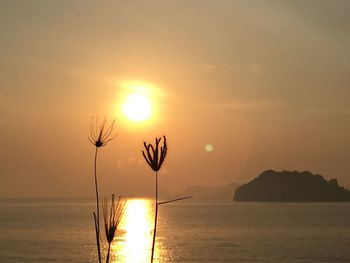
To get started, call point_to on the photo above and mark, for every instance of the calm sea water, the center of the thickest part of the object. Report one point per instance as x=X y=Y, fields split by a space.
x=62 y=231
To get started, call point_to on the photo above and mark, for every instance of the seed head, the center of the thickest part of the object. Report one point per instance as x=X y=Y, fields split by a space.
x=100 y=133
x=115 y=216
x=155 y=156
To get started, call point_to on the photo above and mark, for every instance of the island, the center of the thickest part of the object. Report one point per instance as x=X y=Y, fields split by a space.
x=291 y=186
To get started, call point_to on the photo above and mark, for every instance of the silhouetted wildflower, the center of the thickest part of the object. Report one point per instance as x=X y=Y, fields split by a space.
x=153 y=156
x=99 y=134
x=112 y=222
x=115 y=215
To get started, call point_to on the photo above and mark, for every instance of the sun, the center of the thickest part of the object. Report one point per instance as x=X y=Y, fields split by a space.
x=137 y=107
x=138 y=102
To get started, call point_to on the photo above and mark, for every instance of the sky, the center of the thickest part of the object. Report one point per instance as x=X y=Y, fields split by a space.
x=265 y=83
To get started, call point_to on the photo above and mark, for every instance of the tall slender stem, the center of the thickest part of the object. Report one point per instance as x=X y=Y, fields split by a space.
x=109 y=249
x=155 y=219
x=97 y=218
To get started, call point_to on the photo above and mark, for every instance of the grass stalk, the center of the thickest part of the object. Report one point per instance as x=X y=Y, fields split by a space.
x=97 y=215
x=155 y=219
x=108 y=252
x=100 y=135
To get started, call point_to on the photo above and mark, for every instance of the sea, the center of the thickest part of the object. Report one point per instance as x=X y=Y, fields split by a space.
x=188 y=231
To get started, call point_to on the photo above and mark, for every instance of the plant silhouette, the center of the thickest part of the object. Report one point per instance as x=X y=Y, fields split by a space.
x=155 y=157
x=112 y=221
x=100 y=135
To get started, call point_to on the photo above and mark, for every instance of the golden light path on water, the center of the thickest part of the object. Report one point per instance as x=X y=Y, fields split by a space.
x=134 y=244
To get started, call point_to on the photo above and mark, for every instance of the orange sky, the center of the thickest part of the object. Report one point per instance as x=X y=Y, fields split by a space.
x=264 y=82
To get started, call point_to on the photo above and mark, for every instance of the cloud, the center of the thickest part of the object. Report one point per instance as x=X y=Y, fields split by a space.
x=124 y=164
x=206 y=66
x=328 y=111
x=250 y=105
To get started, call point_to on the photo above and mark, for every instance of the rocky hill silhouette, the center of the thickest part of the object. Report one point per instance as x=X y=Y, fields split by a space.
x=287 y=186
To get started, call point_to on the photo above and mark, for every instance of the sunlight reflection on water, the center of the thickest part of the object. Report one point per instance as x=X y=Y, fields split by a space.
x=134 y=241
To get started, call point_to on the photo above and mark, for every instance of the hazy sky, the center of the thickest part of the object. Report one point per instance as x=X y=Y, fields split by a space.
x=265 y=82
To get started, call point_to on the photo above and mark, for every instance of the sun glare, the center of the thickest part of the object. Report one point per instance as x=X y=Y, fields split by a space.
x=138 y=226
x=137 y=107
x=138 y=102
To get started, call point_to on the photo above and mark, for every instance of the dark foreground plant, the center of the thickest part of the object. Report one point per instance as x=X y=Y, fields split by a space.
x=100 y=135
x=155 y=157
x=112 y=221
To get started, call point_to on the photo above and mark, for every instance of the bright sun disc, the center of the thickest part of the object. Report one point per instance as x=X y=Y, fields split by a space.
x=137 y=107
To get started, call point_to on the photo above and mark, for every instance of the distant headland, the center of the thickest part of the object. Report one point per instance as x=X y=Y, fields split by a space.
x=287 y=186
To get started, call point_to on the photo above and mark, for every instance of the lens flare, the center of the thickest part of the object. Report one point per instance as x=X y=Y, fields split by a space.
x=209 y=148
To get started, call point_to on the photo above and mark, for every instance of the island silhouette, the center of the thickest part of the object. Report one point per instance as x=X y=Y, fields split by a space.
x=291 y=186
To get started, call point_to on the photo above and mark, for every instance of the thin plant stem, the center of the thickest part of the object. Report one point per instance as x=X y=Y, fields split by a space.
x=97 y=217
x=109 y=249
x=155 y=219
x=174 y=200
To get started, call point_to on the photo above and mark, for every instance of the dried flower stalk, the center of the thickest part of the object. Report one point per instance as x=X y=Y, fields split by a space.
x=100 y=135
x=155 y=158
x=112 y=221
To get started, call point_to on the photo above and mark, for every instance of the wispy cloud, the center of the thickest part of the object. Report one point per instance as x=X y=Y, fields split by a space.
x=124 y=164
x=206 y=66
x=328 y=111
x=237 y=105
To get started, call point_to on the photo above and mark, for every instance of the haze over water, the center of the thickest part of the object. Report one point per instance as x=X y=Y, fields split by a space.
x=264 y=83
x=233 y=87
x=62 y=231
